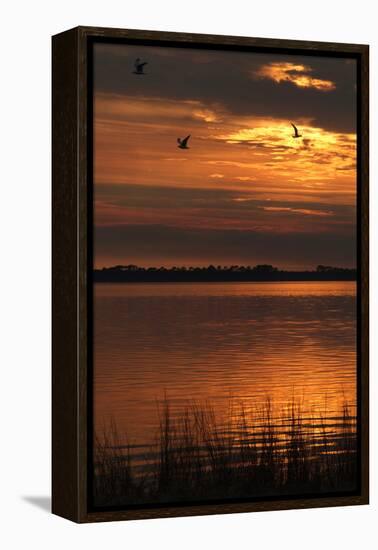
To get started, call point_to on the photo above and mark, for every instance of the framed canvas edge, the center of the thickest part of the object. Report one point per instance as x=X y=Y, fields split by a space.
x=69 y=378
x=85 y=32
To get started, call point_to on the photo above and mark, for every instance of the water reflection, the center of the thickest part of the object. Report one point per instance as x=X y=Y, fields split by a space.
x=213 y=341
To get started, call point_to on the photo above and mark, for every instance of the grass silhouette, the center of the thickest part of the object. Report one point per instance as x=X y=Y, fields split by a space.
x=252 y=452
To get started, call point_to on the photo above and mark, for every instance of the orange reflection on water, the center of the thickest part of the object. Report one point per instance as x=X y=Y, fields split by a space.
x=216 y=342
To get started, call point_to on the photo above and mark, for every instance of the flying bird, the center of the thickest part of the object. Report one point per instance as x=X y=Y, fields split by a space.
x=296 y=133
x=183 y=143
x=139 y=66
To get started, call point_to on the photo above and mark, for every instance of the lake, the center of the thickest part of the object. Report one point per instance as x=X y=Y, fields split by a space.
x=221 y=342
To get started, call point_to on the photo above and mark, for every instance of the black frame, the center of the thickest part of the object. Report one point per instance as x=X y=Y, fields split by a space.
x=73 y=289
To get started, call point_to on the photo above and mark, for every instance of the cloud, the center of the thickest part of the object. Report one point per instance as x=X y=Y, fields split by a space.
x=221 y=82
x=218 y=208
x=157 y=202
x=164 y=245
x=207 y=115
x=297 y=74
x=117 y=107
x=304 y=211
x=319 y=152
x=175 y=159
x=230 y=163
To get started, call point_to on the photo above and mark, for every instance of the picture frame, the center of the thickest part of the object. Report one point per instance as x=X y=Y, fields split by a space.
x=72 y=267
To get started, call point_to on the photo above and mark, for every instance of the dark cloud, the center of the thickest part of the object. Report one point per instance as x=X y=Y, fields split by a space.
x=239 y=202
x=224 y=80
x=156 y=196
x=167 y=245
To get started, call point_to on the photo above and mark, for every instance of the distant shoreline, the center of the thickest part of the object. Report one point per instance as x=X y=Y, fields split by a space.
x=133 y=274
x=137 y=282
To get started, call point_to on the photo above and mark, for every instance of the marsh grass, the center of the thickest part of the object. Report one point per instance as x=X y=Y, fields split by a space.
x=251 y=452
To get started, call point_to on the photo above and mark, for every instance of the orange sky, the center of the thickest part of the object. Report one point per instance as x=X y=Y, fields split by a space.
x=243 y=179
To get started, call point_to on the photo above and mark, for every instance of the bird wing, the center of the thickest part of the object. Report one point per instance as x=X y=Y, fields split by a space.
x=143 y=64
x=295 y=128
x=185 y=140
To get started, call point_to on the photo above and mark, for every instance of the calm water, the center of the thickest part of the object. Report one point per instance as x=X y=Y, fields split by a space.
x=213 y=341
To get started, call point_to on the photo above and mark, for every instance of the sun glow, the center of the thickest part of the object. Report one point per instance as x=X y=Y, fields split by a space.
x=297 y=74
x=319 y=154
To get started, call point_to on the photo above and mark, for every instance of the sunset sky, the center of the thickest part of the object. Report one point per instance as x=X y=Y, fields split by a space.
x=245 y=192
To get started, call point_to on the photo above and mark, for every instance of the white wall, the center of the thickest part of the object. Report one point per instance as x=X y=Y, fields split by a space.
x=25 y=297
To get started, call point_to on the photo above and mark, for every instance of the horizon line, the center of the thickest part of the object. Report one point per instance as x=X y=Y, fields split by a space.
x=234 y=267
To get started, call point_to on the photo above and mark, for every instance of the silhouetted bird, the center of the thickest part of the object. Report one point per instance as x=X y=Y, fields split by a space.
x=139 y=67
x=183 y=143
x=296 y=133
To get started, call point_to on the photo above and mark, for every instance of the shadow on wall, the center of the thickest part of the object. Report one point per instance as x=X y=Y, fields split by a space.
x=41 y=502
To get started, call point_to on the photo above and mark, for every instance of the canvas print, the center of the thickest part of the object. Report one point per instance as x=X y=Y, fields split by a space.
x=224 y=275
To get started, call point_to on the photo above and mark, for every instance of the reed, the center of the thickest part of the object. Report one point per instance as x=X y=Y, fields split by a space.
x=251 y=452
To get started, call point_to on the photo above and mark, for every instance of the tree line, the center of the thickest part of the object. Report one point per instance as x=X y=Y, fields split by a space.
x=261 y=272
